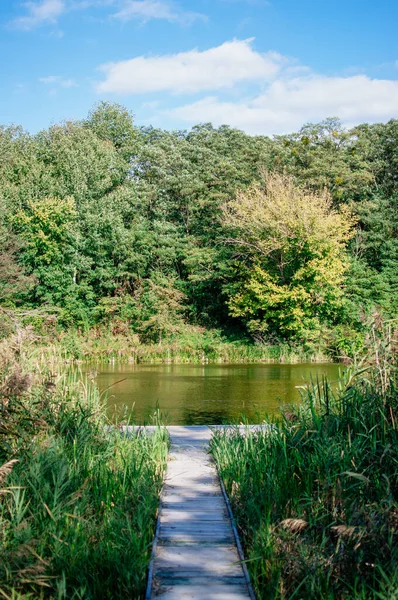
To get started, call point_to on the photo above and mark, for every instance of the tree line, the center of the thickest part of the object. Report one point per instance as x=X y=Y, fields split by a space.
x=291 y=239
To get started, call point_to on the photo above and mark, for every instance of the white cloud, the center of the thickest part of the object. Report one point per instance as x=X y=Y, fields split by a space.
x=191 y=72
x=288 y=94
x=288 y=103
x=40 y=13
x=45 y=12
x=57 y=80
x=146 y=10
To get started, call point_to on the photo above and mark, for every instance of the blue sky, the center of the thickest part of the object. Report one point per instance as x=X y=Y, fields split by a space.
x=263 y=66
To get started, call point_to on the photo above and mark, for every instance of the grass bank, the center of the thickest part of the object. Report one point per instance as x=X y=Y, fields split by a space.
x=77 y=505
x=191 y=345
x=316 y=498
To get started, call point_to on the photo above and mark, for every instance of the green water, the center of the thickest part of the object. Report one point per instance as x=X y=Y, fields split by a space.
x=206 y=394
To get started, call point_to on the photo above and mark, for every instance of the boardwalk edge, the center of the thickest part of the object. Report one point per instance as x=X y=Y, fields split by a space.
x=237 y=539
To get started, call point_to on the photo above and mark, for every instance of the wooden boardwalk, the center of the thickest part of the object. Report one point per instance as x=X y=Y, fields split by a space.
x=195 y=555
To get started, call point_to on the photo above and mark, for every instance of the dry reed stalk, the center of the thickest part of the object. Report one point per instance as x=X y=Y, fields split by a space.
x=6 y=469
x=294 y=525
x=346 y=531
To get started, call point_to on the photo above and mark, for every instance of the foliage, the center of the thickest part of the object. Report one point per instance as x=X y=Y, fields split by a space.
x=77 y=502
x=114 y=123
x=316 y=494
x=13 y=279
x=291 y=244
x=327 y=155
x=99 y=216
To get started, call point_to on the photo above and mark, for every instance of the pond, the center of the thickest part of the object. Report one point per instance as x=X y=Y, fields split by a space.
x=192 y=394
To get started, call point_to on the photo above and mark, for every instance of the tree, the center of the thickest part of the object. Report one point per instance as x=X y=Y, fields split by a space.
x=375 y=247
x=47 y=229
x=183 y=179
x=162 y=308
x=381 y=144
x=114 y=123
x=76 y=162
x=289 y=248
x=13 y=280
x=21 y=171
x=326 y=155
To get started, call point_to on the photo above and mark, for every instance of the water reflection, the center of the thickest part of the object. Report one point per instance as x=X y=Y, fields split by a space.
x=205 y=394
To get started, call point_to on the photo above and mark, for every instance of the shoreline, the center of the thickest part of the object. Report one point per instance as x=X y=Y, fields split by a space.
x=76 y=349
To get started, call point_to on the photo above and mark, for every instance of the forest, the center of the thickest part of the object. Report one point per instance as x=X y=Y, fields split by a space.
x=109 y=229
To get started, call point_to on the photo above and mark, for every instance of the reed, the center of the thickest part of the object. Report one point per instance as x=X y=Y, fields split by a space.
x=78 y=502
x=191 y=345
x=316 y=497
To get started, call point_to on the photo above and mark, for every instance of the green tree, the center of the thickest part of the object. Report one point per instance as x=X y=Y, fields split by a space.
x=76 y=162
x=326 y=155
x=47 y=228
x=14 y=282
x=289 y=248
x=162 y=308
x=114 y=123
x=375 y=246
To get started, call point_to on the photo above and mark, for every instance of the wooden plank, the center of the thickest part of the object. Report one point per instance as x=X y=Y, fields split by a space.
x=204 y=480
x=200 y=540
x=193 y=579
x=221 y=526
x=207 y=501
x=190 y=470
x=199 y=559
x=185 y=502
x=200 y=592
x=181 y=516
x=203 y=431
x=192 y=491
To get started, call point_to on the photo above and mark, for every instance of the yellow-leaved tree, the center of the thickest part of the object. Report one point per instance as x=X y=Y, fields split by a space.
x=289 y=245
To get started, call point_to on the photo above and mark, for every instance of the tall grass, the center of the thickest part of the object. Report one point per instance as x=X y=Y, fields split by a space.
x=191 y=345
x=78 y=502
x=316 y=497
x=116 y=341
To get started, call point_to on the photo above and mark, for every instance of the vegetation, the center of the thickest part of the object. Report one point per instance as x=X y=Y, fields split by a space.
x=316 y=495
x=208 y=234
x=119 y=242
x=294 y=242
x=78 y=502
x=142 y=244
